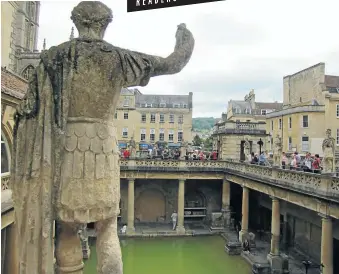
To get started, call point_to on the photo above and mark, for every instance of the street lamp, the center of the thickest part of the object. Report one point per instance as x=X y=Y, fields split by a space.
x=260 y=143
x=309 y=265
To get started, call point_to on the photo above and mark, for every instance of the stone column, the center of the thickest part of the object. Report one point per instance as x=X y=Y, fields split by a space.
x=130 y=208
x=327 y=244
x=275 y=227
x=244 y=217
x=274 y=258
x=181 y=207
x=226 y=196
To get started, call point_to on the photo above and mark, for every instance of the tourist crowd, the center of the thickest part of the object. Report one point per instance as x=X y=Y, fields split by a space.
x=308 y=164
x=172 y=153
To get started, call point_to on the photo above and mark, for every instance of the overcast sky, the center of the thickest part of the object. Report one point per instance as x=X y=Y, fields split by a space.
x=239 y=44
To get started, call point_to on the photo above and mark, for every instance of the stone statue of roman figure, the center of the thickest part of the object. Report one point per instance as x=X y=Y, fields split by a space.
x=328 y=147
x=65 y=163
x=277 y=150
x=132 y=147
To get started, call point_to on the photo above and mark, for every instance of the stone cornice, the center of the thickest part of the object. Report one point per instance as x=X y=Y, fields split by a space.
x=297 y=109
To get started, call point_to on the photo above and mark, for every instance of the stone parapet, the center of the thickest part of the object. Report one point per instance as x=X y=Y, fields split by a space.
x=321 y=186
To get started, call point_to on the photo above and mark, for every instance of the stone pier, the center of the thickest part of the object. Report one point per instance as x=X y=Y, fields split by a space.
x=244 y=218
x=327 y=244
x=130 y=208
x=226 y=196
x=181 y=207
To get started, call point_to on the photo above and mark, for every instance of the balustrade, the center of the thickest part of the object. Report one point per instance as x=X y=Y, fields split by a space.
x=314 y=184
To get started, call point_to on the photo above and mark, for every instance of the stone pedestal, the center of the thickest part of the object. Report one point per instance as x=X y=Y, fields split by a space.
x=130 y=208
x=181 y=207
x=278 y=263
x=218 y=223
x=233 y=248
x=327 y=244
x=261 y=269
x=243 y=234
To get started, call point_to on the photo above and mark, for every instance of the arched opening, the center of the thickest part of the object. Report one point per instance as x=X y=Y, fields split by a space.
x=5 y=156
x=195 y=206
x=195 y=199
x=150 y=206
x=28 y=72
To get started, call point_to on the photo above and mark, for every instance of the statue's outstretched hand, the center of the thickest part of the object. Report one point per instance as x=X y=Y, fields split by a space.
x=184 y=37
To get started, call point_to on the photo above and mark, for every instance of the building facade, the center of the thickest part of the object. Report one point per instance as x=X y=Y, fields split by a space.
x=244 y=120
x=19 y=56
x=19 y=36
x=311 y=107
x=152 y=119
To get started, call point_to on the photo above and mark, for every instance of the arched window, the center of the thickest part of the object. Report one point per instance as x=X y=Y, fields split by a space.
x=5 y=156
x=28 y=71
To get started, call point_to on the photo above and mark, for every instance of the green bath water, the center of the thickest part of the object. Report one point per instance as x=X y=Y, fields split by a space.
x=189 y=255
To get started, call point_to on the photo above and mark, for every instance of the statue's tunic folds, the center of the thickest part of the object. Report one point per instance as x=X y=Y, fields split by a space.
x=65 y=162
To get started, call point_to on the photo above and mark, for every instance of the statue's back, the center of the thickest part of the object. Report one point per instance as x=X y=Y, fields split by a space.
x=97 y=79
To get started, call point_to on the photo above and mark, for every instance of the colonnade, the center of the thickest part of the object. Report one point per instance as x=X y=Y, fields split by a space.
x=274 y=255
x=181 y=207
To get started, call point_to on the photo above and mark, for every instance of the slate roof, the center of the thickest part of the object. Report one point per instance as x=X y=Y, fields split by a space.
x=332 y=81
x=167 y=101
x=243 y=105
x=12 y=84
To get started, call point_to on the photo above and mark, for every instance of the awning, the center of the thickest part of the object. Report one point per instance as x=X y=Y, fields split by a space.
x=122 y=145
x=143 y=146
x=174 y=145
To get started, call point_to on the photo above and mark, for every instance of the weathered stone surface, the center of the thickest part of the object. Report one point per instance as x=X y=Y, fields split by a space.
x=67 y=168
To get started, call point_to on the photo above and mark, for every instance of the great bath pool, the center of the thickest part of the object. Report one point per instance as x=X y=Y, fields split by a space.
x=186 y=255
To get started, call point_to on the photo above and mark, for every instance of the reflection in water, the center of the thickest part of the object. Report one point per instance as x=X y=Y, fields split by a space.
x=198 y=255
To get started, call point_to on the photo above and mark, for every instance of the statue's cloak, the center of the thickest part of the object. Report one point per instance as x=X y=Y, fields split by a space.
x=40 y=123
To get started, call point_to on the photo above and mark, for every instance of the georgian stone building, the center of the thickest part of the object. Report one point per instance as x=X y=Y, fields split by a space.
x=244 y=120
x=311 y=105
x=19 y=36
x=19 y=56
x=152 y=118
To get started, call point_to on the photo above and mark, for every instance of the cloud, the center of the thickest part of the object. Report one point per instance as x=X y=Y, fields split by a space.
x=240 y=45
x=219 y=30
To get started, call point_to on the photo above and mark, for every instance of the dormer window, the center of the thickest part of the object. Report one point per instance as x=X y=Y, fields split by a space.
x=263 y=112
x=185 y=106
x=247 y=111
x=237 y=110
x=162 y=105
x=176 y=105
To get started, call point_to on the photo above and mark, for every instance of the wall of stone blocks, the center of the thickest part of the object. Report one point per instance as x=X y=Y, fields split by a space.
x=160 y=198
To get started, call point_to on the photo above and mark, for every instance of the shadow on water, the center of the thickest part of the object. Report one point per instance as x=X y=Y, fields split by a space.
x=186 y=255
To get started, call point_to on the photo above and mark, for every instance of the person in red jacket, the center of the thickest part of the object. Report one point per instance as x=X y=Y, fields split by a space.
x=214 y=155
x=126 y=154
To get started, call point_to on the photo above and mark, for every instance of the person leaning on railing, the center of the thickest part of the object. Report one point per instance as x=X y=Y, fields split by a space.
x=284 y=160
x=316 y=165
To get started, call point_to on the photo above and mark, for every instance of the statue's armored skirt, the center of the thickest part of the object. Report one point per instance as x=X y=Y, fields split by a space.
x=90 y=179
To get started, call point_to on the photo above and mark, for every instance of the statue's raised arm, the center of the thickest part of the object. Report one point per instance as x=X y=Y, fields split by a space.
x=182 y=53
x=139 y=67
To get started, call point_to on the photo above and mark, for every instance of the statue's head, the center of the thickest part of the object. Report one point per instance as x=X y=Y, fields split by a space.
x=328 y=132
x=91 y=18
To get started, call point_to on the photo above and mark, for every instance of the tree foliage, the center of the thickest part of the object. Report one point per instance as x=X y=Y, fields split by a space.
x=197 y=141
x=203 y=123
x=208 y=143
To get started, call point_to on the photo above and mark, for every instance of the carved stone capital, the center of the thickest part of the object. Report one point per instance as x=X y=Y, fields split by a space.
x=325 y=217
